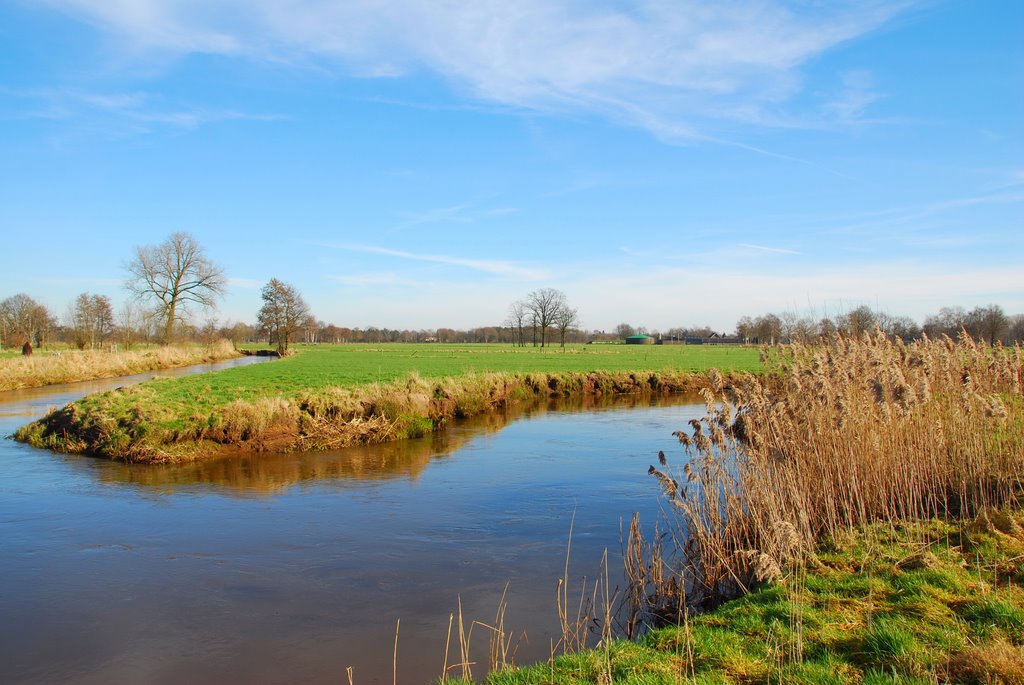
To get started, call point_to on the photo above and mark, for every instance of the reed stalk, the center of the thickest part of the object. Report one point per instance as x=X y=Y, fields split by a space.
x=849 y=433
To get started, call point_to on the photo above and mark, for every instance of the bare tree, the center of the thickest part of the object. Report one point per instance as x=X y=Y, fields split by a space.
x=902 y=327
x=1017 y=328
x=859 y=321
x=129 y=320
x=543 y=306
x=310 y=329
x=23 y=320
x=174 y=275
x=92 y=320
x=949 y=321
x=624 y=330
x=283 y=313
x=987 y=323
x=209 y=332
x=517 y=317
x=565 y=318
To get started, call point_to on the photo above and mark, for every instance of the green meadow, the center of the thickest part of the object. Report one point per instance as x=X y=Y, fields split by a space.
x=315 y=367
x=350 y=365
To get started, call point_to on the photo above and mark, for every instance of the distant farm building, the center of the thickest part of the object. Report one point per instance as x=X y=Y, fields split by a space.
x=639 y=340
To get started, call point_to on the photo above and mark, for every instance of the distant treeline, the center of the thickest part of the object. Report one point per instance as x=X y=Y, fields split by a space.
x=91 y=322
x=989 y=323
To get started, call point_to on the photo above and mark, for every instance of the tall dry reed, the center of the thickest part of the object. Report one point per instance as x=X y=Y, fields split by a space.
x=849 y=432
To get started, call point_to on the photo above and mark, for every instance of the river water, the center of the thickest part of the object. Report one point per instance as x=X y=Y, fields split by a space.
x=289 y=568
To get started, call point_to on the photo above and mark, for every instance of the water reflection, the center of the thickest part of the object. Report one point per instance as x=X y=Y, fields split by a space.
x=290 y=567
x=262 y=472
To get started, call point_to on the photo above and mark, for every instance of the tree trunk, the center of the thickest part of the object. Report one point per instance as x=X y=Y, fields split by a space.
x=169 y=326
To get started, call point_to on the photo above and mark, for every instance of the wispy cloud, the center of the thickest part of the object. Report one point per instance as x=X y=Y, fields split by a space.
x=675 y=68
x=897 y=216
x=138 y=110
x=856 y=95
x=763 y=248
x=383 y=278
x=465 y=214
x=490 y=266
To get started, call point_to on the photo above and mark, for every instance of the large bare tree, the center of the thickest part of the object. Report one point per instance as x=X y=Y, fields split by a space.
x=175 y=275
x=283 y=314
x=544 y=307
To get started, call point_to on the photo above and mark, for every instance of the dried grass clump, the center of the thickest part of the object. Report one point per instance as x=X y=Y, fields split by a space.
x=995 y=661
x=851 y=432
x=242 y=420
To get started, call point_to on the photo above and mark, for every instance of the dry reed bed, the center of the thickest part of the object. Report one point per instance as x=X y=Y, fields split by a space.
x=123 y=424
x=854 y=432
x=86 y=365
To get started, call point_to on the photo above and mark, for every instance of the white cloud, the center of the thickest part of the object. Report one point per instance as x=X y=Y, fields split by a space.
x=490 y=266
x=671 y=66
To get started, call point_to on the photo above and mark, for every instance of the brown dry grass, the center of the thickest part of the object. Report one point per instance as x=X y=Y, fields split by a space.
x=996 y=661
x=84 y=365
x=853 y=432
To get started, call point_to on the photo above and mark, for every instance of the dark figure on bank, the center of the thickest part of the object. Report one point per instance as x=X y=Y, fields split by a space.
x=26 y=349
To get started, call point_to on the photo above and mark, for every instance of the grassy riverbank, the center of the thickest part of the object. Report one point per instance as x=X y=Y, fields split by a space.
x=914 y=603
x=328 y=396
x=50 y=367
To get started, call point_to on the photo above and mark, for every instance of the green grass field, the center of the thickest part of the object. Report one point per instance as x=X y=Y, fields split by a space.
x=320 y=366
x=48 y=350
x=193 y=402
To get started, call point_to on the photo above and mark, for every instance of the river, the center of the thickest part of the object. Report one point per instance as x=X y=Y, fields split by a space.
x=289 y=568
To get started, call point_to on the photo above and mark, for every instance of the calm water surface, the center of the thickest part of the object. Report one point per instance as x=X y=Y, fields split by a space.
x=289 y=568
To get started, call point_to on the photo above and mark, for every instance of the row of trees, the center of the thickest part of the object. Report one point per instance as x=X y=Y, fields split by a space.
x=541 y=312
x=172 y=278
x=989 y=323
x=89 y=322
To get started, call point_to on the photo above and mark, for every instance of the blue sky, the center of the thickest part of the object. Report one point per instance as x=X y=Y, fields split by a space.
x=420 y=164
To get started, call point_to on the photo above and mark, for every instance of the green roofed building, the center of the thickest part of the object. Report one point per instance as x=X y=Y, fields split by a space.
x=639 y=340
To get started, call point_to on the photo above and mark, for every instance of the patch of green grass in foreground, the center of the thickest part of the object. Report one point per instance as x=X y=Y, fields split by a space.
x=170 y=403
x=918 y=603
